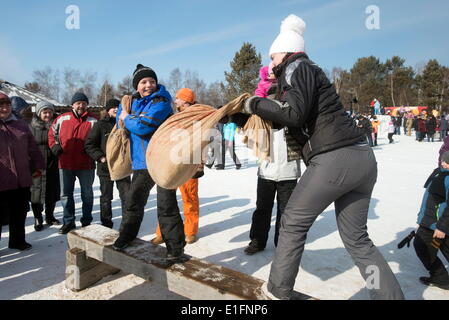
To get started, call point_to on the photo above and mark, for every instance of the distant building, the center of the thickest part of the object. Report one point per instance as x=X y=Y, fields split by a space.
x=11 y=90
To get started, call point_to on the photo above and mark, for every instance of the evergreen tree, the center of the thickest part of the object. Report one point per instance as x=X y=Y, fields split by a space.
x=244 y=74
x=368 y=82
x=434 y=85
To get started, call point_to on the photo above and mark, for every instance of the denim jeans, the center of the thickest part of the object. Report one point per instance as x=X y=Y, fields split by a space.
x=86 y=180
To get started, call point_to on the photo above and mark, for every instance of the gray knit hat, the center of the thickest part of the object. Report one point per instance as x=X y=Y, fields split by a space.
x=445 y=157
x=41 y=105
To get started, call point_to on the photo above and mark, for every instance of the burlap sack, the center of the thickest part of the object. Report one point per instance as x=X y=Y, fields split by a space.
x=177 y=148
x=118 y=148
x=256 y=136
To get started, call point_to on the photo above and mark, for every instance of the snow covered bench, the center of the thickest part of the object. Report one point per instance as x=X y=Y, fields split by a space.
x=91 y=257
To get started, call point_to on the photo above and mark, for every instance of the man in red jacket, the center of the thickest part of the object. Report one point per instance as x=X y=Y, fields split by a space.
x=66 y=139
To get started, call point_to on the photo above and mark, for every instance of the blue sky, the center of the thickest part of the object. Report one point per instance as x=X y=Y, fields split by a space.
x=203 y=35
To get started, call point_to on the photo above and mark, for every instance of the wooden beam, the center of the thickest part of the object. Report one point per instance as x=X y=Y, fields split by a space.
x=195 y=279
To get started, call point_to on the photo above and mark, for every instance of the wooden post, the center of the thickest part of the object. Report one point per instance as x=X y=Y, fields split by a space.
x=82 y=271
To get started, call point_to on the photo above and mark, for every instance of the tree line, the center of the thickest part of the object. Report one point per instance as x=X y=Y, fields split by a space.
x=392 y=82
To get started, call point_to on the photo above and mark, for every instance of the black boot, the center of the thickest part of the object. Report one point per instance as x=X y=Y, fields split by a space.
x=121 y=243
x=51 y=220
x=253 y=247
x=38 y=224
x=67 y=228
x=171 y=259
x=22 y=247
x=38 y=221
x=428 y=281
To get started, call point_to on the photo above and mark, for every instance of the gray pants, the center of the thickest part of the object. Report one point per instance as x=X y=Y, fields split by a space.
x=345 y=176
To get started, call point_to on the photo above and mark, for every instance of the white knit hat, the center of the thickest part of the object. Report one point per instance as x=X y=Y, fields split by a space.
x=290 y=39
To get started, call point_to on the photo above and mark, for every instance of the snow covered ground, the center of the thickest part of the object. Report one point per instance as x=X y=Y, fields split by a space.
x=227 y=200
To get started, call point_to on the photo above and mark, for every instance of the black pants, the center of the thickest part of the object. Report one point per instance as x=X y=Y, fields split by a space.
x=390 y=137
x=107 y=194
x=370 y=139
x=38 y=208
x=230 y=145
x=14 y=204
x=266 y=192
x=421 y=136
x=170 y=222
x=375 y=138
x=428 y=254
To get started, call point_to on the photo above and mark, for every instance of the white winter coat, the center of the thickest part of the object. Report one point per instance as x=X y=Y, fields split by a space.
x=279 y=169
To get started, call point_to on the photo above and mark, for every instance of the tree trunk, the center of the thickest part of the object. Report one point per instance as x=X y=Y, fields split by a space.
x=392 y=93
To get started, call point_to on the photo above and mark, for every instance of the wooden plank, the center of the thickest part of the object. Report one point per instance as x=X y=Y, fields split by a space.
x=194 y=279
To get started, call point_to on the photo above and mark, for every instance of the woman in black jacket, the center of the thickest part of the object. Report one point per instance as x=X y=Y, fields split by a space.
x=431 y=126
x=341 y=167
x=45 y=189
x=95 y=147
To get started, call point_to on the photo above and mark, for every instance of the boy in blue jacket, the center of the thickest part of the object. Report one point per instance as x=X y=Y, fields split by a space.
x=151 y=106
x=433 y=220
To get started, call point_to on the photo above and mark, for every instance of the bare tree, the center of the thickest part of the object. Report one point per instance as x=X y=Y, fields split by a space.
x=106 y=93
x=125 y=87
x=48 y=80
x=75 y=81
x=174 y=81
x=336 y=78
x=215 y=94
x=33 y=87
x=71 y=83
x=88 y=82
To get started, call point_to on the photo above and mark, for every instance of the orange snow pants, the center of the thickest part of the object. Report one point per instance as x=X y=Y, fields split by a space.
x=191 y=204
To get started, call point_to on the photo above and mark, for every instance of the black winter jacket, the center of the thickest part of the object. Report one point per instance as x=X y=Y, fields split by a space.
x=45 y=188
x=310 y=107
x=95 y=145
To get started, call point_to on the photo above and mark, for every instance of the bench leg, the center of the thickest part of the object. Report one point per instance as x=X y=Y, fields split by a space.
x=82 y=271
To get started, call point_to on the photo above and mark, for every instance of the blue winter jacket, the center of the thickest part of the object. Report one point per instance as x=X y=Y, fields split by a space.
x=146 y=115
x=434 y=212
x=229 y=131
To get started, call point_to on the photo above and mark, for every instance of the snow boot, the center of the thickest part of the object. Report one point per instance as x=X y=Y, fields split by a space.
x=428 y=281
x=253 y=248
x=67 y=228
x=171 y=259
x=51 y=220
x=38 y=224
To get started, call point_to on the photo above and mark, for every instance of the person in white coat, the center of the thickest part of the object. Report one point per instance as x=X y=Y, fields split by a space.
x=276 y=179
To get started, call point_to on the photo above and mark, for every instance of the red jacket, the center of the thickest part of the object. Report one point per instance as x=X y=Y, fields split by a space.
x=422 y=125
x=71 y=134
